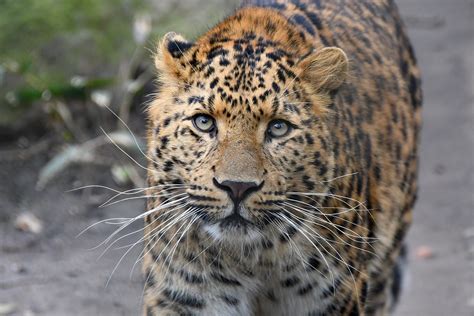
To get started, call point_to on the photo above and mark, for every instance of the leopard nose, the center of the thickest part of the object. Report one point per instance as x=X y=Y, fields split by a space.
x=237 y=190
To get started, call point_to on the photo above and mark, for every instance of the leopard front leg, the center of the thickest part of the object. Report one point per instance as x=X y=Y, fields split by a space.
x=312 y=294
x=184 y=285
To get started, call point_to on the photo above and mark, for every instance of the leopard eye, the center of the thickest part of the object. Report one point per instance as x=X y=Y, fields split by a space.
x=203 y=122
x=278 y=128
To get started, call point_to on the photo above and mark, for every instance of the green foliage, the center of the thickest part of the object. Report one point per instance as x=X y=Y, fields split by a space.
x=56 y=39
x=45 y=43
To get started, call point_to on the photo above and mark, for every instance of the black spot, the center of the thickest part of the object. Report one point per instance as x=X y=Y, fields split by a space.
x=275 y=87
x=413 y=87
x=331 y=289
x=313 y=263
x=310 y=185
x=281 y=75
x=230 y=300
x=354 y=311
x=290 y=232
x=397 y=276
x=158 y=153
x=264 y=95
x=270 y=27
x=164 y=141
x=271 y=296
x=254 y=100
x=214 y=83
x=217 y=51
x=224 y=62
x=203 y=215
x=184 y=299
x=315 y=19
x=267 y=244
x=359 y=183
x=210 y=102
x=249 y=36
x=274 y=56
x=309 y=139
x=166 y=122
x=363 y=293
x=305 y=289
x=191 y=277
x=149 y=311
x=202 y=197
x=378 y=287
x=269 y=4
x=228 y=281
x=290 y=74
x=177 y=48
x=237 y=47
x=290 y=282
x=150 y=280
x=195 y=99
x=302 y=21
x=168 y=166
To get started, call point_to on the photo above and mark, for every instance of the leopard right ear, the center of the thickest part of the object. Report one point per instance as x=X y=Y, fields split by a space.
x=325 y=69
x=171 y=58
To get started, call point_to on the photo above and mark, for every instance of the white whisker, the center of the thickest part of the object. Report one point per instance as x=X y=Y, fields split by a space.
x=112 y=221
x=124 y=236
x=140 y=197
x=131 y=133
x=124 y=152
x=339 y=177
x=143 y=215
x=287 y=220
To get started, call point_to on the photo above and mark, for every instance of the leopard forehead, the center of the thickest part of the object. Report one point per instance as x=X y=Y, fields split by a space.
x=246 y=77
x=247 y=64
x=250 y=72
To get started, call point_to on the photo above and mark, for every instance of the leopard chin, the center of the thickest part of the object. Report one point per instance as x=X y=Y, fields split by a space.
x=233 y=231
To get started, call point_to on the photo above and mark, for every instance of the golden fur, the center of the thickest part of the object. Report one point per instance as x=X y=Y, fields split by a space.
x=320 y=228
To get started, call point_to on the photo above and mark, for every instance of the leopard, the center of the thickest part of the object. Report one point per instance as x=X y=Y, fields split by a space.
x=282 y=162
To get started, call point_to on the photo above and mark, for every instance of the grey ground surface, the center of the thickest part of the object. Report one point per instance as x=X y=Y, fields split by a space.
x=443 y=36
x=54 y=274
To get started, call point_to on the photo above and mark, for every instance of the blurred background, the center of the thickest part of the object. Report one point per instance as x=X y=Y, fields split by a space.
x=75 y=77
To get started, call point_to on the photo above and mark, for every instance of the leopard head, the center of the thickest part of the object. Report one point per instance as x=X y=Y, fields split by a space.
x=240 y=123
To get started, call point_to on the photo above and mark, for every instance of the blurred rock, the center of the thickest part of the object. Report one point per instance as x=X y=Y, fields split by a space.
x=7 y=308
x=469 y=233
x=424 y=252
x=28 y=222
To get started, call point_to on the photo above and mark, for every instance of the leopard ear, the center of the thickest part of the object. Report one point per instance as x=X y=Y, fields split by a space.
x=171 y=57
x=325 y=69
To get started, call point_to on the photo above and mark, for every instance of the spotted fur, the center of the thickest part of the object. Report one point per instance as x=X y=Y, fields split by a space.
x=320 y=232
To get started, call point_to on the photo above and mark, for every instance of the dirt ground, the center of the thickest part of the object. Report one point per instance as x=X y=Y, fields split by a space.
x=55 y=273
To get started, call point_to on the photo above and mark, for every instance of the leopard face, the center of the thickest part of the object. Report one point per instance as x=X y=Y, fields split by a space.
x=240 y=125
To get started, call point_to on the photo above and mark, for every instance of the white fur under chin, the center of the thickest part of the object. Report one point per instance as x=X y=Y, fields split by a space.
x=232 y=236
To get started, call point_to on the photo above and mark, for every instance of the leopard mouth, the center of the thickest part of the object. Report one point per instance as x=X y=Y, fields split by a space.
x=235 y=220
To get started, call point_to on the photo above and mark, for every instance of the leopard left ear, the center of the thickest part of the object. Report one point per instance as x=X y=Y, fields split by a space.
x=171 y=59
x=325 y=69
